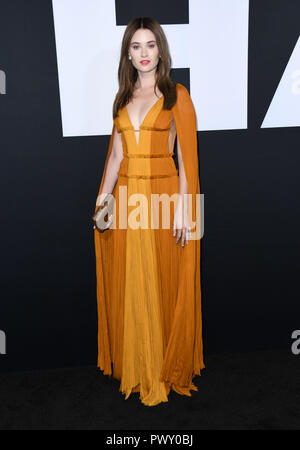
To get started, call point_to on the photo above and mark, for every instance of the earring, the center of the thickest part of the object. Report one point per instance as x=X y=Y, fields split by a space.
x=129 y=56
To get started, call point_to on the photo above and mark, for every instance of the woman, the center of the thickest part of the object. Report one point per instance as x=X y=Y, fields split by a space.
x=148 y=277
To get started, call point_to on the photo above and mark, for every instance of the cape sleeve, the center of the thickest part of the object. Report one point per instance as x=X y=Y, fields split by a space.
x=111 y=140
x=186 y=130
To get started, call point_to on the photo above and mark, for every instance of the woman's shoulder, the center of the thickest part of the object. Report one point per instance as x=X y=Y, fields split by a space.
x=183 y=95
x=181 y=90
x=183 y=100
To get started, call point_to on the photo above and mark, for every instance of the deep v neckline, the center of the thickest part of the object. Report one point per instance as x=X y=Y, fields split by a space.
x=144 y=120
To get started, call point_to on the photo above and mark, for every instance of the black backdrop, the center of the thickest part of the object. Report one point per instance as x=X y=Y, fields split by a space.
x=249 y=178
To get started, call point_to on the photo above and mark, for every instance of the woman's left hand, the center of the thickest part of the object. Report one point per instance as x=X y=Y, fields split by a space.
x=181 y=225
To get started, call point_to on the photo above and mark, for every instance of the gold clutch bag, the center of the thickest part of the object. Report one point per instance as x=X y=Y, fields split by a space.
x=100 y=218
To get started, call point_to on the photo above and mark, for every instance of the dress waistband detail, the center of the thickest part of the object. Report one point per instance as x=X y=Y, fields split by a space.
x=143 y=127
x=149 y=176
x=147 y=155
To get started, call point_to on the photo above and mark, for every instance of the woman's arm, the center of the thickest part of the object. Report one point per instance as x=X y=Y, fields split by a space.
x=111 y=168
x=183 y=184
x=113 y=165
x=187 y=154
x=181 y=224
x=186 y=127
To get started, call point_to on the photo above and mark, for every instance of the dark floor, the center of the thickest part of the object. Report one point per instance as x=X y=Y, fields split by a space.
x=247 y=391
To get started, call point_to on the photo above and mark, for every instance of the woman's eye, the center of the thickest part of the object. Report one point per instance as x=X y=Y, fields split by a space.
x=135 y=47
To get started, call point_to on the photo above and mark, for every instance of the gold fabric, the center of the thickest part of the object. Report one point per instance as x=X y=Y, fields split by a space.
x=148 y=286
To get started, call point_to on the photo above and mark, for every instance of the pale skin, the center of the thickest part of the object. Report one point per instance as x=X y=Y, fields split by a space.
x=143 y=46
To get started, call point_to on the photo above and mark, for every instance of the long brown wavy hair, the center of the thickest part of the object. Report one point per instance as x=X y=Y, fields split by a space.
x=127 y=73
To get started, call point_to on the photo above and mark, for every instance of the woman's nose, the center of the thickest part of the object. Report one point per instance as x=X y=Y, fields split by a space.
x=144 y=52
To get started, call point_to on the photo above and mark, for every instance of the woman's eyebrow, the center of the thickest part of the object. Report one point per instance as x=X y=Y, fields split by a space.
x=139 y=42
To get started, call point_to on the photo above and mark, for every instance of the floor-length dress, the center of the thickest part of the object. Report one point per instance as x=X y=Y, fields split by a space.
x=148 y=286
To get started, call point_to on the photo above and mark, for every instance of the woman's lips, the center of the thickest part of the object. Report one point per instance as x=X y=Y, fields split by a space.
x=145 y=62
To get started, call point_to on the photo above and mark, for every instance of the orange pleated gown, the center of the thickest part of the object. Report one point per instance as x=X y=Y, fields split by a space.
x=148 y=286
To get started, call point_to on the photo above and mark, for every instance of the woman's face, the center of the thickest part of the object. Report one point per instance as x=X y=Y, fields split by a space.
x=144 y=50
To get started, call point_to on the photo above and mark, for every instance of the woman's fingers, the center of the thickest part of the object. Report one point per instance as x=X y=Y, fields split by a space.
x=183 y=237
x=181 y=234
x=174 y=228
